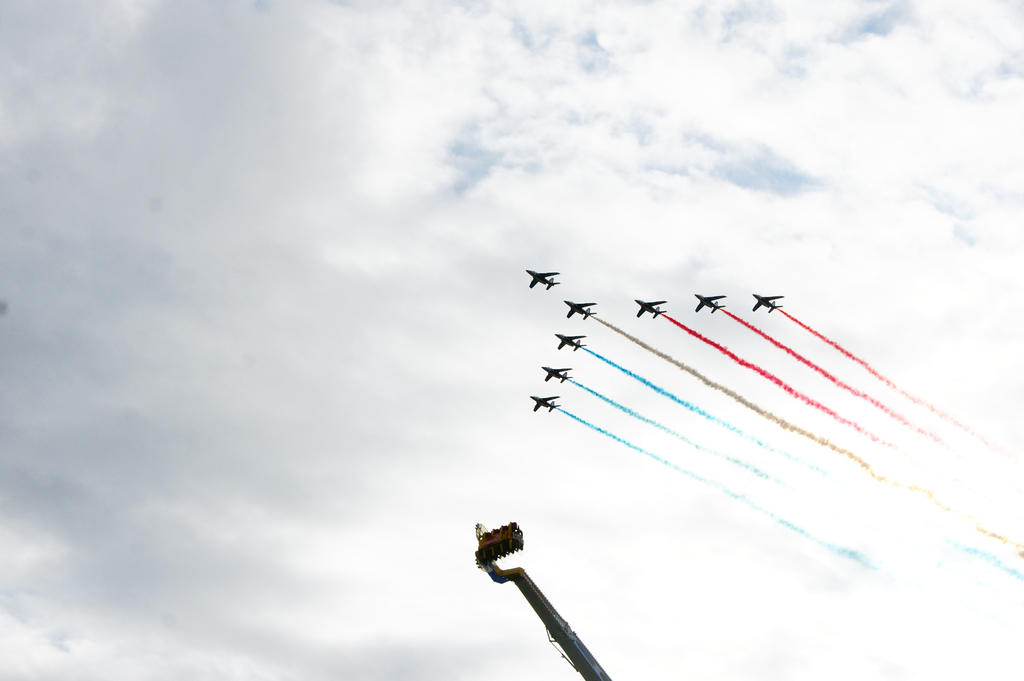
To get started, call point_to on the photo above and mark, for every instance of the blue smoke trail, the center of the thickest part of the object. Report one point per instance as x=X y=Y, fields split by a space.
x=743 y=464
x=839 y=550
x=990 y=559
x=697 y=410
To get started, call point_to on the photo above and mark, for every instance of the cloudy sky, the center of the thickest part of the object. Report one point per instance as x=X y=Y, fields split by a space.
x=267 y=346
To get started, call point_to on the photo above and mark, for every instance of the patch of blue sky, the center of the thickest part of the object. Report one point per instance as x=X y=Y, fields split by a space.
x=472 y=161
x=879 y=23
x=744 y=13
x=668 y=169
x=949 y=205
x=1012 y=67
x=705 y=140
x=765 y=171
x=641 y=130
x=592 y=55
x=522 y=34
x=793 y=61
x=753 y=167
x=964 y=235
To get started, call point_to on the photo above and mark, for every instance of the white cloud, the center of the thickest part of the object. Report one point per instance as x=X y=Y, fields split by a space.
x=269 y=346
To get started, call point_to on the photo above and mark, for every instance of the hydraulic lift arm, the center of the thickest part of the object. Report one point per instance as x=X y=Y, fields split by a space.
x=505 y=540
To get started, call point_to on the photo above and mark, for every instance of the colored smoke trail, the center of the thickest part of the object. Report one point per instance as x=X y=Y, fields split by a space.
x=839 y=550
x=753 y=469
x=871 y=370
x=760 y=411
x=990 y=559
x=864 y=396
x=779 y=382
x=678 y=400
x=865 y=466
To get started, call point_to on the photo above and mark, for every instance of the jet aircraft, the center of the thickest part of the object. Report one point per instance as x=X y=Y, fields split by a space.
x=651 y=307
x=574 y=341
x=544 y=402
x=709 y=301
x=556 y=373
x=578 y=308
x=766 y=301
x=543 y=278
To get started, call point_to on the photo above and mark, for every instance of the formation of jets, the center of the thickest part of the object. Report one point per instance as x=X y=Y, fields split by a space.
x=546 y=278
x=766 y=301
x=651 y=307
x=556 y=373
x=544 y=402
x=579 y=308
x=542 y=278
x=574 y=341
x=708 y=301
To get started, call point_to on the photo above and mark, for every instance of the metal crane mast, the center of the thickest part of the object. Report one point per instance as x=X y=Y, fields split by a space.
x=507 y=539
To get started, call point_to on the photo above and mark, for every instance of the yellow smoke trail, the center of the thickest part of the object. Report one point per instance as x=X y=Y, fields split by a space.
x=824 y=442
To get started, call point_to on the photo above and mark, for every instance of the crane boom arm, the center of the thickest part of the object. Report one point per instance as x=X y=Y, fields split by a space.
x=558 y=629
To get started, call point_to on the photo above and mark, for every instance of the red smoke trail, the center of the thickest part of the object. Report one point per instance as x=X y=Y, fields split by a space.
x=835 y=380
x=777 y=381
x=916 y=400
